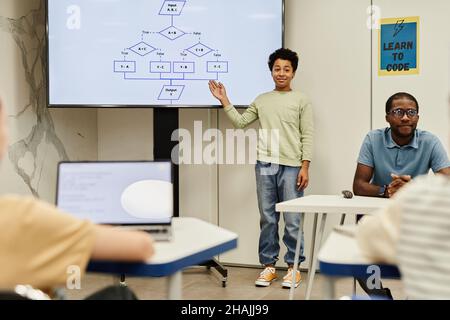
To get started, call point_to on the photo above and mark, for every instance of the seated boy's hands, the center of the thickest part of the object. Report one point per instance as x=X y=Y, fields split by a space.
x=398 y=181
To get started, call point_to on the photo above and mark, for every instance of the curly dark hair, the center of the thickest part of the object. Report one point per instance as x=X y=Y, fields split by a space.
x=400 y=95
x=285 y=54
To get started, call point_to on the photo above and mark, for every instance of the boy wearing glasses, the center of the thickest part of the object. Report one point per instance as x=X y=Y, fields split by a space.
x=390 y=157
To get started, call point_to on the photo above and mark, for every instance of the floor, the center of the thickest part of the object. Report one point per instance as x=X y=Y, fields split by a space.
x=202 y=284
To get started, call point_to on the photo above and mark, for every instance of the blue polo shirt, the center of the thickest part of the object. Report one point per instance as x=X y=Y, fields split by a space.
x=379 y=151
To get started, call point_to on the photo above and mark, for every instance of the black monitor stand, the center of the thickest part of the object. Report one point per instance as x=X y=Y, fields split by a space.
x=165 y=122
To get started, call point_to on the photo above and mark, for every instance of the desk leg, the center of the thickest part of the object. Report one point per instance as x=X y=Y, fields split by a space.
x=175 y=283
x=120 y=280
x=329 y=288
x=297 y=254
x=312 y=250
x=312 y=271
x=342 y=219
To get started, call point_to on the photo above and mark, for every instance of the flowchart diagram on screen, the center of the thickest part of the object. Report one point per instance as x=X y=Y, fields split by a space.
x=151 y=58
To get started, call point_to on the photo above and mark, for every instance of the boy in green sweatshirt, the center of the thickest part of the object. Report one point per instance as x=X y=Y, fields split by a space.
x=282 y=164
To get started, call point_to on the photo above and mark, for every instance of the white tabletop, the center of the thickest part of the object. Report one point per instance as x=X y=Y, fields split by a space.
x=332 y=204
x=190 y=235
x=193 y=241
x=343 y=249
x=341 y=256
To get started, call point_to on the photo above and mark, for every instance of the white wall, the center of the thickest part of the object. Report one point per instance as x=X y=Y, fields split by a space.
x=199 y=186
x=125 y=134
x=39 y=137
x=238 y=205
x=431 y=86
x=334 y=44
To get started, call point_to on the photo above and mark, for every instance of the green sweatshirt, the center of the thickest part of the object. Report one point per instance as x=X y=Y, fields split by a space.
x=289 y=114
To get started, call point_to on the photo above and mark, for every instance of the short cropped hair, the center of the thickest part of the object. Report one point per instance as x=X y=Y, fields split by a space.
x=284 y=54
x=400 y=95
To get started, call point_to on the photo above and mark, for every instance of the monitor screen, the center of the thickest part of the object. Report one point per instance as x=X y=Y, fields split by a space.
x=159 y=53
x=117 y=192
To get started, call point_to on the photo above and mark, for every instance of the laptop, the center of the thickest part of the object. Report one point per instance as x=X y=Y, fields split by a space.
x=130 y=194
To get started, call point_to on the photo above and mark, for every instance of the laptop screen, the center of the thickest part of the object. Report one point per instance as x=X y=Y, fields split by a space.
x=117 y=192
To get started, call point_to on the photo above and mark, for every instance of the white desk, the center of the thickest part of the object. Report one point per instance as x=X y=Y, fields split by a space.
x=194 y=241
x=340 y=256
x=325 y=204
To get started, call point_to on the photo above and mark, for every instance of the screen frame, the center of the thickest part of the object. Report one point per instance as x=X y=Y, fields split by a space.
x=123 y=106
x=172 y=172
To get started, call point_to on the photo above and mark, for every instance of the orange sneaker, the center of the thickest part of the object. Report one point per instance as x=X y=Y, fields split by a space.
x=287 y=279
x=266 y=277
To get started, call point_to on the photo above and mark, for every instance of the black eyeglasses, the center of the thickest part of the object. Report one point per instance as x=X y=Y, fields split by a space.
x=399 y=113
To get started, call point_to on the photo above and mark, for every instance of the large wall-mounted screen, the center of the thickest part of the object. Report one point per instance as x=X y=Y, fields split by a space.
x=159 y=53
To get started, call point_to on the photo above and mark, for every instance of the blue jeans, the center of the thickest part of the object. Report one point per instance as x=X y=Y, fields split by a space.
x=273 y=186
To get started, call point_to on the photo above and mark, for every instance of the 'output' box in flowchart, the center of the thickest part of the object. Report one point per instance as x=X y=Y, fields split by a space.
x=171 y=92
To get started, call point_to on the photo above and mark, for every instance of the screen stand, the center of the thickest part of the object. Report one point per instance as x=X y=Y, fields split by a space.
x=220 y=269
x=165 y=122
